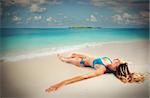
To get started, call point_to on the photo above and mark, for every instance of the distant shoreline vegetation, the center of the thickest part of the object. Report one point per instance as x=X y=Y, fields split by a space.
x=83 y=27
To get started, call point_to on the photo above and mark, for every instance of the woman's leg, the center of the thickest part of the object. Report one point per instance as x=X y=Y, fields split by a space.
x=74 y=61
x=74 y=55
x=78 y=55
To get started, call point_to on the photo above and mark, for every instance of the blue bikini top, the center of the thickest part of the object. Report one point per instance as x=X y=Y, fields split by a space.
x=99 y=61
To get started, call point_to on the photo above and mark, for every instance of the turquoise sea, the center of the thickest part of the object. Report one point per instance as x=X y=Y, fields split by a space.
x=32 y=42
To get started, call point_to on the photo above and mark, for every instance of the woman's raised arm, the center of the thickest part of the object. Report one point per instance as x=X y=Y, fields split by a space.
x=96 y=73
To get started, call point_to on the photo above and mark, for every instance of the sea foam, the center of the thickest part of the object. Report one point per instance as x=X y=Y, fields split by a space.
x=51 y=51
x=45 y=52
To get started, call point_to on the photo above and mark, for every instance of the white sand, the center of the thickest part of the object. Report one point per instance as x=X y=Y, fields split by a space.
x=29 y=78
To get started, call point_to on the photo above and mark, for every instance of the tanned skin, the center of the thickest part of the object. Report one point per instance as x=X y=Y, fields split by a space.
x=75 y=60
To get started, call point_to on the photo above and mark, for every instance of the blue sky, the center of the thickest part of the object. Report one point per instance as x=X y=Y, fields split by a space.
x=64 y=13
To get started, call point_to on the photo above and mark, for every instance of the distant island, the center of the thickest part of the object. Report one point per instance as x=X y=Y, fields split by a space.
x=83 y=27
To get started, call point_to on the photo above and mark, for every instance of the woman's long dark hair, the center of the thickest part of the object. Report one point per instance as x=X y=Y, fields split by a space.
x=122 y=73
x=122 y=70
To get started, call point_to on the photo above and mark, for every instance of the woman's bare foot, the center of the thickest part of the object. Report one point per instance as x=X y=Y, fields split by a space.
x=60 y=57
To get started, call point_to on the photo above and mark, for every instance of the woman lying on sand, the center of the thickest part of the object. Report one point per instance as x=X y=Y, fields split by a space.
x=101 y=65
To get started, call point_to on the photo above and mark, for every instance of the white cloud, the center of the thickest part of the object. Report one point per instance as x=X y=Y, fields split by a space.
x=16 y=18
x=40 y=1
x=37 y=18
x=30 y=2
x=65 y=16
x=34 y=18
x=117 y=18
x=82 y=2
x=121 y=6
x=126 y=18
x=50 y=19
x=36 y=8
x=105 y=2
x=115 y=5
x=55 y=2
x=34 y=5
x=21 y=2
x=92 y=18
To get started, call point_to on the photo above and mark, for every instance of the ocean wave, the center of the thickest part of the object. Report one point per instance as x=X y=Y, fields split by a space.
x=50 y=51
x=45 y=52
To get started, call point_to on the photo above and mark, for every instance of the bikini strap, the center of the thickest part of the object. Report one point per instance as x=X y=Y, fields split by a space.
x=107 y=58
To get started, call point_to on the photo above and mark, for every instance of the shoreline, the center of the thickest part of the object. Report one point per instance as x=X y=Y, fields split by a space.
x=17 y=56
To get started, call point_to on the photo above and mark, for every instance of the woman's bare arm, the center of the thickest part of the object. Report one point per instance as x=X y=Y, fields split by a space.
x=96 y=73
x=83 y=77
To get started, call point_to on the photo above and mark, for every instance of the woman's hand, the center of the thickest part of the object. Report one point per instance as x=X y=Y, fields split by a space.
x=55 y=87
x=96 y=73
